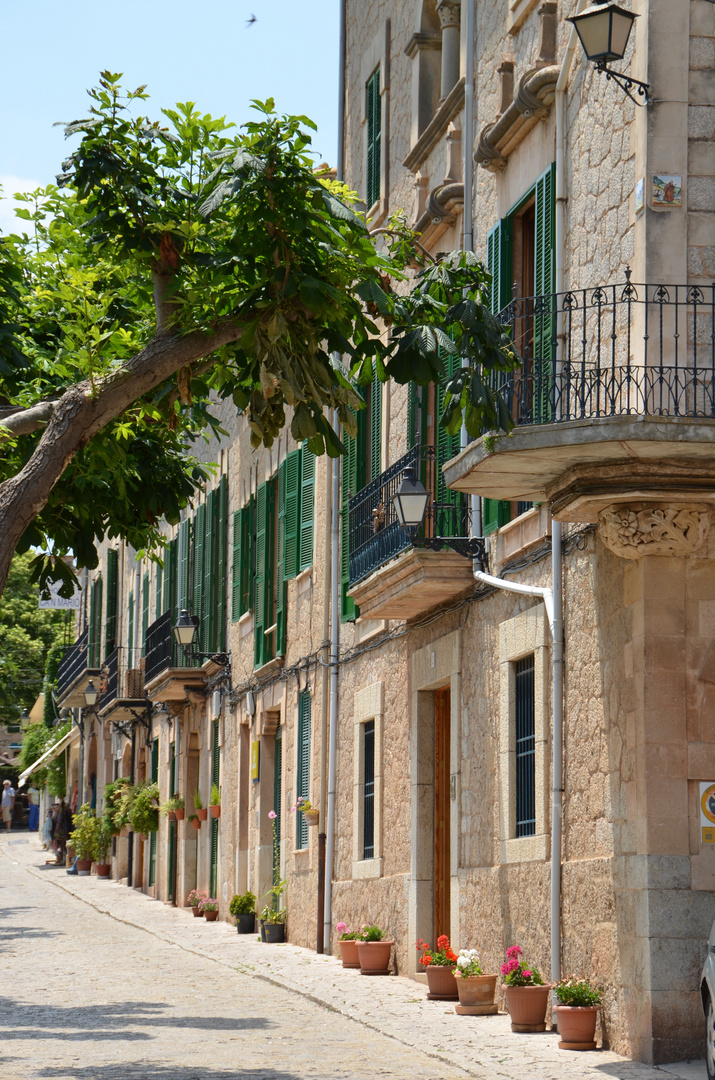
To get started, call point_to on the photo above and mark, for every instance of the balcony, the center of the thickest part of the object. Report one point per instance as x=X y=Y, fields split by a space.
x=169 y=673
x=390 y=578
x=122 y=685
x=615 y=398
x=74 y=673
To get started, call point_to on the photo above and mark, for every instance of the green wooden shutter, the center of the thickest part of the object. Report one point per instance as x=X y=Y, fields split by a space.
x=263 y=582
x=157 y=596
x=303 y=777
x=170 y=576
x=277 y=804
x=91 y=627
x=291 y=513
x=184 y=557
x=448 y=446
x=373 y=112
x=221 y=511
x=130 y=629
x=145 y=610
x=208 y=592
x=236 y=567
x=307 y=508
x=499 y=264
x=215 y=779
x=110 y=624
x=280 y=583
x=349 y=612
x=197 y=599
x=152 y=836
x=375 y=428
x=248 y=554
x=495 y=513
x=94 y=637
x=544 y=286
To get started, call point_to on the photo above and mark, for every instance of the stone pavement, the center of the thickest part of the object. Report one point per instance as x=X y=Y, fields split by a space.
x=152 y=974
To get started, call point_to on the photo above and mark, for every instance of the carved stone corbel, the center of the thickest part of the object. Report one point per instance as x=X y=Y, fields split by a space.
x=486 y=154
x=526 y=101
x=631 y=531
x=505 y=71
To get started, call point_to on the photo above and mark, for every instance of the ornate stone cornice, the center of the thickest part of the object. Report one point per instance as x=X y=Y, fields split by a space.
x=436 y=127
x=648 y=529
x=532 y=102
x=422 y=41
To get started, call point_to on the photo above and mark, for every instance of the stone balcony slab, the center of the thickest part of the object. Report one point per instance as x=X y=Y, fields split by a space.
x=411 y=584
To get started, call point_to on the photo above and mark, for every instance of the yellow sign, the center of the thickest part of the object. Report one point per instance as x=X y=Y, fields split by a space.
x=255 y=761
x=707 y=812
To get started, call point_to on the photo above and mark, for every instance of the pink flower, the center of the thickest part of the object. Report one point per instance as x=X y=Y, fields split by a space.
x=341 y=927
x=505 y=969
x=526 y=974
x=292 y=809
x=272 y=815
x=515 y=950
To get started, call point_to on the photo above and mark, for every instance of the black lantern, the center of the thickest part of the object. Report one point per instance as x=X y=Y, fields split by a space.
x=185 y=628
x=603 y=31
x=410 y=500
x=91 y=694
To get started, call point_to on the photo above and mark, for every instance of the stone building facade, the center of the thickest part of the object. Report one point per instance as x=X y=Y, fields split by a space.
x=444 y=731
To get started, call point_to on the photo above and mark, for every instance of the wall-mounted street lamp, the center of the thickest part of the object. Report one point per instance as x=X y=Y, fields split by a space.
x=603 y=30
x=410 y=503
x=185 y=631
x=91 y=695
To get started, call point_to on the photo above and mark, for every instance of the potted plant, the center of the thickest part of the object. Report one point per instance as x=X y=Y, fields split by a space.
x=144 y=812
x=168 y=809
x=179 y=808
x=84 y=838
x=374 y=951
x=527 y=995
x=348 y=942
x=476 y=990
x=195 y=821
x=201 y=811
x=243 y=909
x=102 y=847
x=215 y=801
x=209 y=909
x=117 y=801
x=439 y=965
x=576 y=1013
x=304 y=806
x=273 y=928
x=195 y=899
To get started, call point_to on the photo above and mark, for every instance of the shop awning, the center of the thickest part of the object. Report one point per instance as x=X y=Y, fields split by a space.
x=50 y=755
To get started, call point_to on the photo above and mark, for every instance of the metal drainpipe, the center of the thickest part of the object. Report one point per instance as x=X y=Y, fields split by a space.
x=334 y=648
x=324 y=709
x=553 y=602
x=130 y=838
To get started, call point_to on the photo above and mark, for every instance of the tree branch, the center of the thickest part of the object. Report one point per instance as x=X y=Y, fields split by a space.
x=25 y=421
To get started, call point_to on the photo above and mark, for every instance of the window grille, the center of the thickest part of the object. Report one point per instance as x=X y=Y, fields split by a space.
x=368 y=797
x=303 y=785
x=525 y=747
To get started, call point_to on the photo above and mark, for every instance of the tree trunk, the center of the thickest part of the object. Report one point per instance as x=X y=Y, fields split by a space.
x=83 y=411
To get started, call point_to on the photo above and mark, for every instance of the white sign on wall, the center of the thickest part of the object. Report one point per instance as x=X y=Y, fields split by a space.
x=60 y=602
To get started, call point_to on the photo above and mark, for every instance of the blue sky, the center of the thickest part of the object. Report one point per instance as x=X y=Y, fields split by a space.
x=202 y=52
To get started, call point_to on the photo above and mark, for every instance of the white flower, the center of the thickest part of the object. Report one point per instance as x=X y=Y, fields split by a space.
x=463 y=961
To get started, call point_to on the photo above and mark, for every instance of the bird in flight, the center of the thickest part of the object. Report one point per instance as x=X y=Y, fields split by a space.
x=250 y=21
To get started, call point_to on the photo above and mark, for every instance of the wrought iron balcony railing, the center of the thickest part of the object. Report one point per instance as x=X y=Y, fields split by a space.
x=73 y=663
x=163 y=651
x=618 y=350
x=374 y=532
x=122 y=678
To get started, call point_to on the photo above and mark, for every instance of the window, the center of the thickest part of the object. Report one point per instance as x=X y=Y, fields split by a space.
x=361 y=463
x=263 y=579
x=152 y=836
x=110 y=620
x=277 y=804
x=373 y=113
x=145 y=610
x=303 y=771
x=215 y=779
x=524 y=742
x=94 y=638
x=208 y=581
x=243 y=559
x=368 y=791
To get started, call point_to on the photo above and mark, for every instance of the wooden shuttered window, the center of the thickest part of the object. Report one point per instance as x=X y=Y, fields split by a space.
x=448 y=446
x=303 y=777
x=277 y=804
x=263 y=580
x=242 y=584
x=416 y=414
x=348 y=611
x=158 y=610
x=184 y=564
x=171 y=572
x=307 y=508
x=215 y=779
x=145 y=610
x=207 y=613
x=495 y=513
x=375 y=428
x=110 y=621
x=289 y=506
x=544 y=286
x=130 y=630
x=373 y=114
x=94 y=638
x=197 y=590
x=281 y=589
x=499 y=264
x=221 y=543
x=236 y=567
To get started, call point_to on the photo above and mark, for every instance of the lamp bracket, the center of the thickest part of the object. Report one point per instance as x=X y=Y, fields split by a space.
x=626 y=83
x=471 y=547
x=222 y=659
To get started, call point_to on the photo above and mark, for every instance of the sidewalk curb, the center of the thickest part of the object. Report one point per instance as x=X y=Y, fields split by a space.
x=243 y=970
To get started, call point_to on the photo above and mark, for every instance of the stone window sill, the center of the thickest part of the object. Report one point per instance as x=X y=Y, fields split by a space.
x=367 y=868
x=524 y=849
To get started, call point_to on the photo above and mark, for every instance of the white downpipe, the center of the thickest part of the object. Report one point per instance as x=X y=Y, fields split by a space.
x=333 y=733
x=553 y=602
x=560 y=107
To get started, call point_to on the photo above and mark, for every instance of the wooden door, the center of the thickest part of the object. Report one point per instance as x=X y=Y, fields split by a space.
x=441 y=812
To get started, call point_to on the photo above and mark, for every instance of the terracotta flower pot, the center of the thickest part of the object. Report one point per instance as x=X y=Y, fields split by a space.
x=196 y=823
x=83 y=867
x=349 y=954
x=197 y=912
x=211 y=916
x=179 y=815
x=442 y=983
x=312 y=817
x=171 y=815
x=375 y=957
x=202 y=814
x=577 y=1026
x=476 y=991
x=527 y=1006
x=215 y=811
x=103 y=869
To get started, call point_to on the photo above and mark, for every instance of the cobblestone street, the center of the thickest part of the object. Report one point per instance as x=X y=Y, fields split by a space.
x=101 y=983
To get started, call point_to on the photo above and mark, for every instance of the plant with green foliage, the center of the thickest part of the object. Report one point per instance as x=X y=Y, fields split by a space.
x=198 y=804
x=49 y=711
x=103 y=843
x=144 y=810
x=271 y=915
x=171 y=805
x=35 y=742
x=117 y=803
x=215 y=799
x=85 y=835
x=243 y=904
x=371 y=933
x=185 y=258
x=578 y=993
x=57 y=768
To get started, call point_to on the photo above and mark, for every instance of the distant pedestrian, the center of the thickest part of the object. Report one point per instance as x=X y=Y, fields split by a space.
x=7 y=802
x=47 y=831
x=33 y=798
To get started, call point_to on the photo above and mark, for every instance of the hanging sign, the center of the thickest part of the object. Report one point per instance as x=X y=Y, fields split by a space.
x=59 y=602
x=707 y=812
x=255 y=761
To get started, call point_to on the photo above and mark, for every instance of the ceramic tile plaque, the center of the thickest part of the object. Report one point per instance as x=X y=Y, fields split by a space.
x=667 y=191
